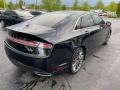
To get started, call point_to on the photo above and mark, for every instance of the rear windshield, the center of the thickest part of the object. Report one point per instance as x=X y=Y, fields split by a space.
x=49 y=19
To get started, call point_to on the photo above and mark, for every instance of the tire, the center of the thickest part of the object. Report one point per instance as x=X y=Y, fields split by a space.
x=107 y=39
x=77 y=60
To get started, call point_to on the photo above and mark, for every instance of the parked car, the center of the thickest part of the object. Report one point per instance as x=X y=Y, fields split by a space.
x=1 y=11
x=103 y=14
x=100 y=12
x=36 y=13
x=56 y=41
x=14 y=16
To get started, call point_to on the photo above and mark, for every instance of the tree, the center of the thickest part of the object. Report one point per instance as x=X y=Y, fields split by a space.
x=16 y=5
x=75 y=5
x=21 y=3
x=100 y=5
x=112 y=6
x=10 y=6
x=85 y=6
x=50 y=5
x=118 y=10
x=46 y=4
x=2 y=3
x=56 y=5
x=31 y=6
x=63 y=7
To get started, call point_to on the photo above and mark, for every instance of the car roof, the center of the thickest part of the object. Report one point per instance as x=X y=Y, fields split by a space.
x=70 y=12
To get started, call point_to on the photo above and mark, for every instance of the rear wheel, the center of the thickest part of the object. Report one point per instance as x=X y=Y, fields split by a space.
x=76 y=60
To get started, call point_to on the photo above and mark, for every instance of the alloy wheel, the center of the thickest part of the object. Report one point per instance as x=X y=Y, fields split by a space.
x=78 y=59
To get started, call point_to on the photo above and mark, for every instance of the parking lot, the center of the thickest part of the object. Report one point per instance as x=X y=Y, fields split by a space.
x=100 y=72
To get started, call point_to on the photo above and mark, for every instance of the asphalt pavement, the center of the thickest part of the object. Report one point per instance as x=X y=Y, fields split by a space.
x=100 y=72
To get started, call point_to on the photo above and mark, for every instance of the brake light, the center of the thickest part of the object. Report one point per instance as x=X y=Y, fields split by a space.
x=45 y=45
x=31 y=43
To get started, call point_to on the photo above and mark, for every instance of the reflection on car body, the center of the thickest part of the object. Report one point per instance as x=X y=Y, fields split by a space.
x=56 y=41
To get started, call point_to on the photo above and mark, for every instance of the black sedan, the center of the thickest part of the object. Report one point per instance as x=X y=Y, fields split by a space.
x=56 y=41
x=12 y=17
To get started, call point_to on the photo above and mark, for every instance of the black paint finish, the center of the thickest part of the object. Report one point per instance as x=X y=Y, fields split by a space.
x=63 y=36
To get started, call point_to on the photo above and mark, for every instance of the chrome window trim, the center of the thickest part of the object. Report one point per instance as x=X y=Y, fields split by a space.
x=78 y=20
x=81 y=18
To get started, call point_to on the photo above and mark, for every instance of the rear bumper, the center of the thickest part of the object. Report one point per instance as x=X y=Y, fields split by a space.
x=29 y=68
x=27 y=63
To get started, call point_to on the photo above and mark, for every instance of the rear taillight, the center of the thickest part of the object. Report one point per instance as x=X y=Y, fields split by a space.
x=45 y=45
x=31 y=43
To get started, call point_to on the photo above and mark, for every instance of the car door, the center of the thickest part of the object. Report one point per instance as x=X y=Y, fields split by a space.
x=88 y=25
x=85 y=27
x=14 y=17
x=9 y=18
x=5 y=18
x=103 y=30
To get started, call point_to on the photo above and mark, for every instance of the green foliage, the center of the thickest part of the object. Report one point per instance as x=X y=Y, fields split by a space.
x=75 y=5
x=100 y=5
x=85 y=6
x=46 y=4
x=31 y=6
x=118 y=10
x=112 y=6
x=64 y=7
x=51 y=5
x=16 y=6
x=57 y=5
x=10 y=6
x=21 y=3
x=2 y=3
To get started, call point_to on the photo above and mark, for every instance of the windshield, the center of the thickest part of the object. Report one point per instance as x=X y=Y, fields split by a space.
x=49 y=19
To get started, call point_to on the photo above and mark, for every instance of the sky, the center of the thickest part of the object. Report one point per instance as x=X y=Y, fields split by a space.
x=69 y=2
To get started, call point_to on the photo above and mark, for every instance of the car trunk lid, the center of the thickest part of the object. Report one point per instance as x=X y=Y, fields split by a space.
x=33 y=29
x=30 y=42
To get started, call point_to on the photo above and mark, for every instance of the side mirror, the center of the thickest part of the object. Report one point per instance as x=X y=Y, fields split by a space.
x=108 y=23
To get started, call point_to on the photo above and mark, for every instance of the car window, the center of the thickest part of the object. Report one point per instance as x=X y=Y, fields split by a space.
x=78 y=25
x=10 y=13
x=35 y=13
x=86 y=21
x=97 y=19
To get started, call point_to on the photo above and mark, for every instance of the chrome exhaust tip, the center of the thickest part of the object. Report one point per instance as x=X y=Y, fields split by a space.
x=43 y=74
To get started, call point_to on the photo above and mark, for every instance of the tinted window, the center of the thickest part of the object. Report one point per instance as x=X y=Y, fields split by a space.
x=10 y=13
x=35 y=13
x=87 y=21
x=97 y=19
